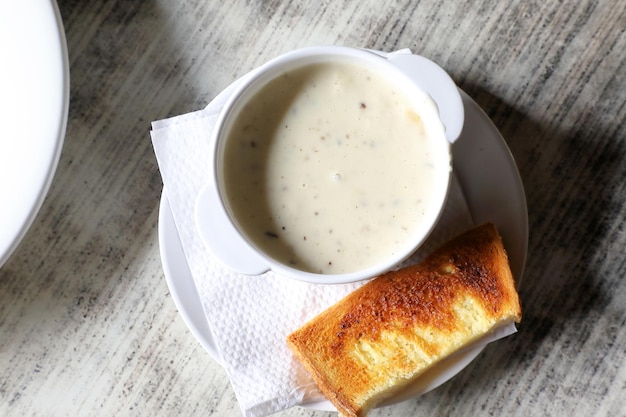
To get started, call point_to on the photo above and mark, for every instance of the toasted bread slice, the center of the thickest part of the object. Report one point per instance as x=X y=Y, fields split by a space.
x=384 y=335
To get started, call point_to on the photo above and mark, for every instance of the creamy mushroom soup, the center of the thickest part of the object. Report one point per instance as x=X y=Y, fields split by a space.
x=328 y=168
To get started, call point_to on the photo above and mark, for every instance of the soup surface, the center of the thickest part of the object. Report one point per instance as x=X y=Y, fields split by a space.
x=329 y=168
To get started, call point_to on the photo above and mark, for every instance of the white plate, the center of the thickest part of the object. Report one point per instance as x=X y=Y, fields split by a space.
x=34 y=86
x=494 y=192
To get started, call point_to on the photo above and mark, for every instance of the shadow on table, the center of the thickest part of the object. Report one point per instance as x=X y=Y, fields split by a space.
x=571 y=177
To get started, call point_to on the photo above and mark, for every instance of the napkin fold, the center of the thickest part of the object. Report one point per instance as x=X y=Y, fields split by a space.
x=251 y=316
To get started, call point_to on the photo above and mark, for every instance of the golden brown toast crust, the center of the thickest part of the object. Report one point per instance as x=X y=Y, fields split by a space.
x=472 y=266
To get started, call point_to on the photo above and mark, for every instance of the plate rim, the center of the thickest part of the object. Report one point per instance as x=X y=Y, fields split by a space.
x=202 y=331
x=10 y=244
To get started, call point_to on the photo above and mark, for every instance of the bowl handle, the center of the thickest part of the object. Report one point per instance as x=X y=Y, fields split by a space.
x=436 y=82
x=221 y=237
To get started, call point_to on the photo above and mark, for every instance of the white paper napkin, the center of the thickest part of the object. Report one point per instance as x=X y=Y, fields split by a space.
x=250 y=316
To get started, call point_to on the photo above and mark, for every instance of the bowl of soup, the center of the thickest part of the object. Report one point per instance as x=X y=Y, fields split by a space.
x=330 y=164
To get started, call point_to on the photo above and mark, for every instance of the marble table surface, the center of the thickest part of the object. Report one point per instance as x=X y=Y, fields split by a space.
x=87 y=323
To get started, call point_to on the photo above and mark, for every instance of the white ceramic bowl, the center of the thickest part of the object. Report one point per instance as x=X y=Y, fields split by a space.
x=442 y=116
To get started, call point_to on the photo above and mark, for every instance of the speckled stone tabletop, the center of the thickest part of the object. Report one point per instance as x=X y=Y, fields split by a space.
x=87 y=324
